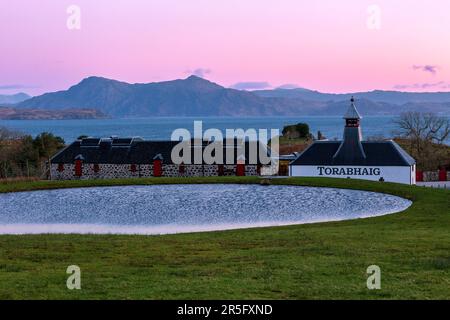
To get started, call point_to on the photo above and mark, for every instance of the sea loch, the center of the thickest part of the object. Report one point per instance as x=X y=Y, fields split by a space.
x=161 y=128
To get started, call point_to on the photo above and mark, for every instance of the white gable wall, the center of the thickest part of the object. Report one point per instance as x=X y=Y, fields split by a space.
x=399 y=174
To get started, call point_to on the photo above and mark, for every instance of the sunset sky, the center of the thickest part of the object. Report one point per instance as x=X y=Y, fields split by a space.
x=325 y=45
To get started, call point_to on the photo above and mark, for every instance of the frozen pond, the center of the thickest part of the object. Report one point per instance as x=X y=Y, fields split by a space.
x=161 y=209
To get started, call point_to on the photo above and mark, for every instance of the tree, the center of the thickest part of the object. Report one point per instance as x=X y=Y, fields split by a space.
x=299 y=130
x=424 y=126
x=9 y=141
x=47 y=144
x=425 y=135
x=320 y=136
x=21 y=155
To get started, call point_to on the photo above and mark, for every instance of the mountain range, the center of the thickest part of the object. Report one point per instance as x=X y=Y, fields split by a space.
x=195 y=96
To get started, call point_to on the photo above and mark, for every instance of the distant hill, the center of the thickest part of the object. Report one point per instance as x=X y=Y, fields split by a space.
x=195 y=96
x=9 y=113
x=392 y=97
x=13 y=98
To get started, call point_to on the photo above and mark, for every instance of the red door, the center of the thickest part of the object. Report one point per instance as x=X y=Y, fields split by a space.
x=157 y=168
x=78 y=168
x=240 y=170
x=220 y=170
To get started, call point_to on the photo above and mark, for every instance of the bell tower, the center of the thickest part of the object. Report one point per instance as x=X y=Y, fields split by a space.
x=351 y=150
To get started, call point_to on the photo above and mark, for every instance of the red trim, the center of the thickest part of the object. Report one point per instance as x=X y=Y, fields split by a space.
x=60 y=167
x=133 y=168
x=442 y=175
x=157 y=168
x=78 y=168
x=419 y=176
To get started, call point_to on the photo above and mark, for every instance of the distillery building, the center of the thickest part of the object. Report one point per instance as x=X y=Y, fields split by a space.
x=355 y=158
x=106 y=158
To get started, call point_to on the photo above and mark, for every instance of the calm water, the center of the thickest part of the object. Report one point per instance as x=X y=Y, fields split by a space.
x=184 y=208
x=161 y=128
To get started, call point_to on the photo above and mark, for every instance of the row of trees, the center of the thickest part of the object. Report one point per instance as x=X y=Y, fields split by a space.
x=24 y=156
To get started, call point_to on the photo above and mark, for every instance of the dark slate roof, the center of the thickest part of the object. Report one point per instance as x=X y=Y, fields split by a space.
x=351 y=149
x=378 y=153
x=134 y=151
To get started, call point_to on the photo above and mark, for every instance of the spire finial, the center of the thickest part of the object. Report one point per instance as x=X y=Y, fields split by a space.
x=352 y=113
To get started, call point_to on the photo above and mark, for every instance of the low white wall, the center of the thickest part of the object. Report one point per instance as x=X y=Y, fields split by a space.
x=390 y=174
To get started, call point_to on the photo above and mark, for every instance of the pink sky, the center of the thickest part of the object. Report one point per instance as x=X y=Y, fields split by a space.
x=324 y=45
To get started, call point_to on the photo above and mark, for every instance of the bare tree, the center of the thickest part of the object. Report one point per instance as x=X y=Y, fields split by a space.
x=424 y=126
x=426 y=134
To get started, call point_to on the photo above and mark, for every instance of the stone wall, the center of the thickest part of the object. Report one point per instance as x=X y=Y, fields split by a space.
x=111 y=171
x=429 y=176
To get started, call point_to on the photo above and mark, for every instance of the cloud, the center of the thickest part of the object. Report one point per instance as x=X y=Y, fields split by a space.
x=424 y=85
x=13 y=86
x=426 y=68
x=251 y=85
x=288 y=86
x=199 y=72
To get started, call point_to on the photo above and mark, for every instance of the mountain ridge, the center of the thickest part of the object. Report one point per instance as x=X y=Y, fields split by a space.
x=195 y=96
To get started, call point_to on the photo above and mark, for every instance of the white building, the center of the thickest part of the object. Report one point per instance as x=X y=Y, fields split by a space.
x=354 y=158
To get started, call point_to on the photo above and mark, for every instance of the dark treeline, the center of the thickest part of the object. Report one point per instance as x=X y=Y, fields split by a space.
x=24 y=156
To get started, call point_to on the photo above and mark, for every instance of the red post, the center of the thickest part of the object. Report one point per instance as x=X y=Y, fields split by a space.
x=442 y=175
x=419 y=175
x=61 y=167
x=78 y=168
x=157 y=168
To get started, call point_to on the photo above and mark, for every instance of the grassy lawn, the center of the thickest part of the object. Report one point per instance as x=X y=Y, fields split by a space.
x=315 y=261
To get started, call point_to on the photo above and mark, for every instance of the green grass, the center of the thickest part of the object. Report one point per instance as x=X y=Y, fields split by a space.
x=315 y=261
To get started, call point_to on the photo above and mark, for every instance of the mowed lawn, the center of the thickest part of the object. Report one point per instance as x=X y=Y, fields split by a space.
x=314 y=261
